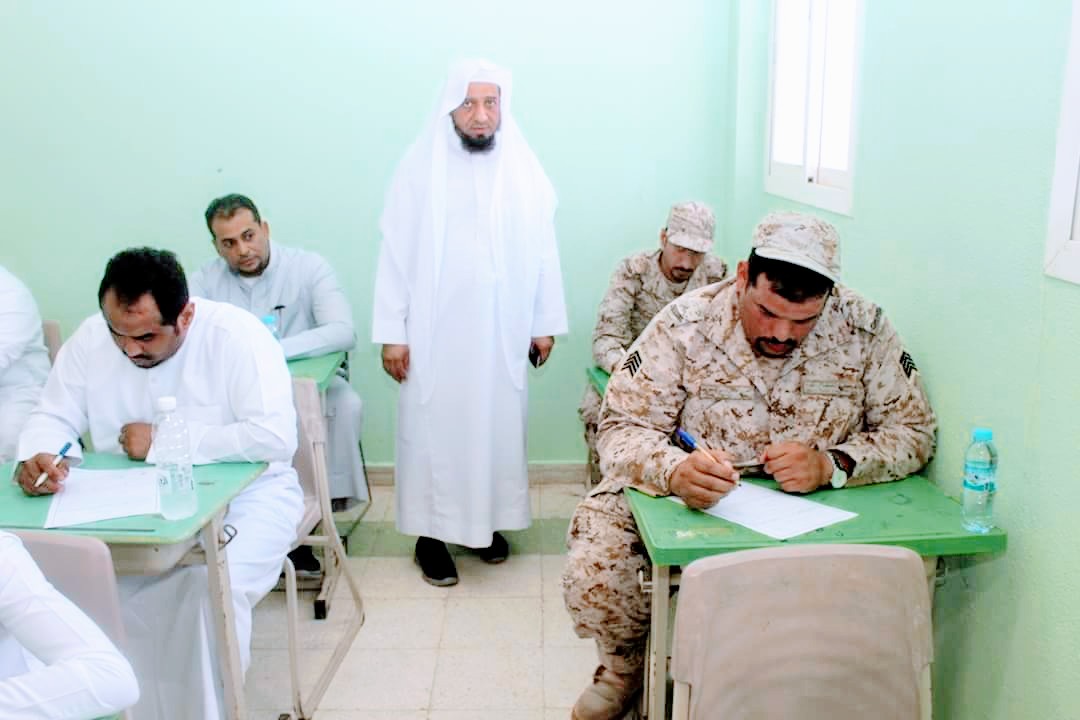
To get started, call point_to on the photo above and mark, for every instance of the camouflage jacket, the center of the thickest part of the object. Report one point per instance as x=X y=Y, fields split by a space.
x=638 y=290
x=849 y=386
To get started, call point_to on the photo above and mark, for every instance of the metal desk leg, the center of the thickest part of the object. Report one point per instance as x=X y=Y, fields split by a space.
x=657 y=661
x=926 y=700
x=221 y=605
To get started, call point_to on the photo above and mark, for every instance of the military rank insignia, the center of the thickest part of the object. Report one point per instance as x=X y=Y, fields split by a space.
x=907 y=363
x=632 y=363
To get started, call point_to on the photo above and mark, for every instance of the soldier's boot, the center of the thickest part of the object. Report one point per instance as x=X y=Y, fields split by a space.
x=608 y=698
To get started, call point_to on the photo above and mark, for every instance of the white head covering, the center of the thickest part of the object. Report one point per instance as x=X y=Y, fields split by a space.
x=522 y=227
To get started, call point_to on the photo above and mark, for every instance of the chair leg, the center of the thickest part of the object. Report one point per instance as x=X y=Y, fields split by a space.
x=292 y=615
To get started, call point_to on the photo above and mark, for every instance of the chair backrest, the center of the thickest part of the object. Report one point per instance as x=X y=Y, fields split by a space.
x=311 y=430
x=81 y=568
x=804 y=631
x=51 y=330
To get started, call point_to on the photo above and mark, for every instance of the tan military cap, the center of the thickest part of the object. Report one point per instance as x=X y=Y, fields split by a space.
x=691 y=225
x=799 y=239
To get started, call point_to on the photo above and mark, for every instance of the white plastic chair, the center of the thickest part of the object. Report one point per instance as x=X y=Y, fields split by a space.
x=81 y=569
x=50 y=329
x=806 y=632
x=310 y=464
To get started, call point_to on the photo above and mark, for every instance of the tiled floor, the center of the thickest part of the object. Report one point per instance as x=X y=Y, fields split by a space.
x=498 y=645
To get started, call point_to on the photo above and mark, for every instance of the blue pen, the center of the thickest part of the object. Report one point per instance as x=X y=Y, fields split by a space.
x=688 y=440
x=60 y=456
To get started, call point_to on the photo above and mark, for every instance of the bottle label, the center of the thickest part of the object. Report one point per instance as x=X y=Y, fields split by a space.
x=979 y=480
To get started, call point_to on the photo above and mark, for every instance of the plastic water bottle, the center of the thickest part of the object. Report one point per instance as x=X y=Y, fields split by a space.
x=271 y=323
x=172 y=450
x=980 y=481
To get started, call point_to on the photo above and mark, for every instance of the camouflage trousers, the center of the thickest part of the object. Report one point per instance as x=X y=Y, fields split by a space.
x=589 y=412
x=600 y=582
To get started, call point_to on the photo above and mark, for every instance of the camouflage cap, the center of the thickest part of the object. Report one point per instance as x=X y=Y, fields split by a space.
x=691 y=225
x=799 y=239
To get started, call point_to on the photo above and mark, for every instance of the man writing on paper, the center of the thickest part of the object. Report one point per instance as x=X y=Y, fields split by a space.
x=300 y=289
x=779 y=366
x=468 y=286
x=641 y=286
x=231 y=383
x=24 y=361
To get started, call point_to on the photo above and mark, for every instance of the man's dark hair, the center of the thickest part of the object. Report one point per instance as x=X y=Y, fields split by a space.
x=794 y=283
x=228 y=205
x=137 y=271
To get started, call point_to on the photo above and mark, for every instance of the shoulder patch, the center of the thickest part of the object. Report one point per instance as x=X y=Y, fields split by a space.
x=907 y=363
x=632 y=363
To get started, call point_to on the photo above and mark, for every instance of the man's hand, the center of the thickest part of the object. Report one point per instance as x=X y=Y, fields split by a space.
x=135 y=439
x=796 y=467
x=395 y=361
x=703 y=478
x=31 y=469
x=544 y=346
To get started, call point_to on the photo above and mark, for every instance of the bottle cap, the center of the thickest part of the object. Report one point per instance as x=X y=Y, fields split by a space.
x=981 y=434
x=166 y=403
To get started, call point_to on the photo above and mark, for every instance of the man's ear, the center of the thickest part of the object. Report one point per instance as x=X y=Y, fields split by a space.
x=183 y=320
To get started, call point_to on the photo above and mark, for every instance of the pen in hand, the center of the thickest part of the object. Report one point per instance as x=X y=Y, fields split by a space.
x=688 y=441
x=56 y=460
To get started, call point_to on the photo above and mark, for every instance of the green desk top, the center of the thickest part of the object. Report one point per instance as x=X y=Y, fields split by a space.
x=216 y=485
x=911 y=513
x=598 y=377
x=321 y=369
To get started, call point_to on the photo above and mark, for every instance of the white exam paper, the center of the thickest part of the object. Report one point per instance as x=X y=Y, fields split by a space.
x=774 y=512
x=91 y=495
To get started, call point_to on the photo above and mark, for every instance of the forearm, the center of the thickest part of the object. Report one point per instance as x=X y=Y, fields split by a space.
x=888 y=453
x=637 y=455
x=607 y=352
x=333 y=337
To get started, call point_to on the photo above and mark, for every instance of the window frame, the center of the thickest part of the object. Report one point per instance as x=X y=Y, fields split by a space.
x=1062 y=258
x=791 y=181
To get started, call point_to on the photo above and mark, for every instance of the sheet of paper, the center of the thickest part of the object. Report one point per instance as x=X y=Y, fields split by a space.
x=774 y=512
x=91 y=495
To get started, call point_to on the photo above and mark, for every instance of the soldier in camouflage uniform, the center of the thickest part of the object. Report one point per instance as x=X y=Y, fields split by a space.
x=641 y=286
x=776 y=366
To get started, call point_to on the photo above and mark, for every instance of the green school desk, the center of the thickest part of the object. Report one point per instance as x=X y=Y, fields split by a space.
x=151 y=545
x=321 y=368
x=911 y=513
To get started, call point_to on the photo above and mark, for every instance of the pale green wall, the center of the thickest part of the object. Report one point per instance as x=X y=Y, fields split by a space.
x=121 y=120
x=957 y=123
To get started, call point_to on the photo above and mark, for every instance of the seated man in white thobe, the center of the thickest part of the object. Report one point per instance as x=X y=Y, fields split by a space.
x=83 y=675
x=24 y=361
x=75 y=672
x=230 y=381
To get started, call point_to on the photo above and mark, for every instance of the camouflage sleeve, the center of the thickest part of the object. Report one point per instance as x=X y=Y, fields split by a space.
x=612 y=334
x=641 y=408
x=716 y=270
x=898 y=423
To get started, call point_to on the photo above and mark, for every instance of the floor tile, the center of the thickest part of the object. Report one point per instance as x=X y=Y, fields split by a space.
x=481 y=622
x=402 y=623
x=486 y=715
x=267 y=686
x=396 y=577
x=270 y=624
x=519 y=576
x=382 y=501
x=567 y=671
x=369 y=715
x=381 y=679
x=551 y=569
x=508 y=678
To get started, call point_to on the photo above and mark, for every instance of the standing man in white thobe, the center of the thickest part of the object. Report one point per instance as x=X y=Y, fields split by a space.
x=468 y=291
x=24 y=361
x=300 y=290
x=230 y=381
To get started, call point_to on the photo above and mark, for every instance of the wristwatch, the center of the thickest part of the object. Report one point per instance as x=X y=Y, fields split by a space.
x=839 y=474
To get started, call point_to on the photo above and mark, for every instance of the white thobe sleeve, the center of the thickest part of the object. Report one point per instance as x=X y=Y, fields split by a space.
x=19 y=323
x=61 y=414
x=258 y=389
x=549 y=312
x=333 y=329
x=84 y=677
x=391 y=306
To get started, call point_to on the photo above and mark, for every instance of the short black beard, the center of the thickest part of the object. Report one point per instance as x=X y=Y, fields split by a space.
x=481 y=144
